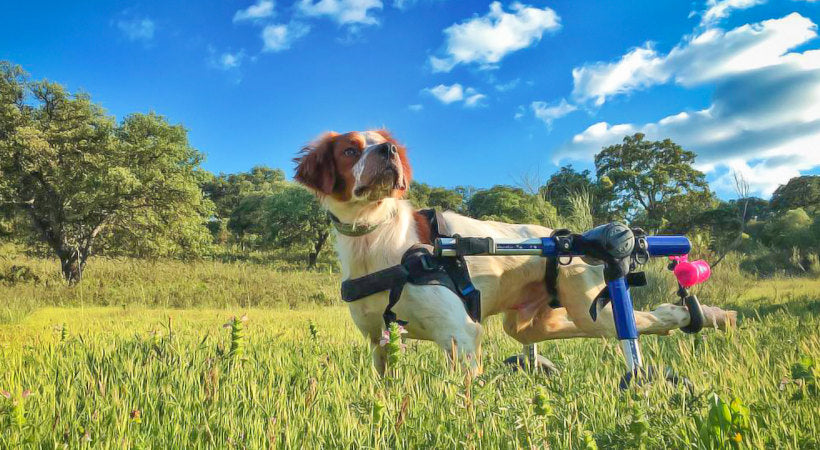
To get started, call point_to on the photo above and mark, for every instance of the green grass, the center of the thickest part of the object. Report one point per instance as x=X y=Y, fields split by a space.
x=161 y=348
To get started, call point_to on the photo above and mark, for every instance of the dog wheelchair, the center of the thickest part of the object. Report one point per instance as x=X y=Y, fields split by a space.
x=621 y=250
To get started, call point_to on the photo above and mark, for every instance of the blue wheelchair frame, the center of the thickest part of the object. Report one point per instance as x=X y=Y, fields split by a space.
x=618 y=247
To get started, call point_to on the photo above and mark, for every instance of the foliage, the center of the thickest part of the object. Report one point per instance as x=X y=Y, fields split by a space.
x=512 y=205
x=294 y=216
x=800 y=192
x=81 y=178
x=238 y=202
x=792 y=228
x=727 y=424
x=647 y=175
x=564 y=186
x=422 y=195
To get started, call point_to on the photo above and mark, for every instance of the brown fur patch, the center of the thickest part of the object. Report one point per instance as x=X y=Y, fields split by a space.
x=423 y=228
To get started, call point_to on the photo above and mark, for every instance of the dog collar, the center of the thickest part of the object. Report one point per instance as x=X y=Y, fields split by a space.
x=356 y=230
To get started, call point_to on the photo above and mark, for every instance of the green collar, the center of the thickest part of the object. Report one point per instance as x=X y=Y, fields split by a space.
x=354 y=230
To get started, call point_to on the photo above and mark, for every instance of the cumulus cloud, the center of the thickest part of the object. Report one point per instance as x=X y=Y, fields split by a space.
x=416 y=107
x=548 y=112
x=137 y=29
x=764 y=123
x=260 y=10
x=706 y=57
x=456 y=93
x=719 y=9
x=280 y=37
x=486 y=40
x=344 y=12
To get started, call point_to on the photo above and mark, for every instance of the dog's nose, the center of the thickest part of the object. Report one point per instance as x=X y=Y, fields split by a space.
x=387 y=149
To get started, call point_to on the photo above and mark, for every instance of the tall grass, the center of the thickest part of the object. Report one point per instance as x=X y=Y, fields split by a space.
x=151 y=378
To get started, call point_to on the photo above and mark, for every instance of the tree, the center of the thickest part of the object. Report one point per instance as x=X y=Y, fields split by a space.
x=799 y=192
x=646 y=175
x=294 y=216
x=238 y=199
x=422 y=195
x=79 y=176
x=790 y=229
x=512 y=205
x=566 y=184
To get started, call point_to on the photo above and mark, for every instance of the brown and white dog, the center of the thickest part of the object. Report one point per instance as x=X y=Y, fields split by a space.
x=361 y=177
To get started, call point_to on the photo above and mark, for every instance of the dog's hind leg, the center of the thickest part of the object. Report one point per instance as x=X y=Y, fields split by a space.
x=547 y=323
x=580 y=284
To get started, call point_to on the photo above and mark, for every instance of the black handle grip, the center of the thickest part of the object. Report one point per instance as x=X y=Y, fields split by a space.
x=466 y=246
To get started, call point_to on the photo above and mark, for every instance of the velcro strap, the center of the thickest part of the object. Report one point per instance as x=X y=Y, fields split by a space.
x=370 y=284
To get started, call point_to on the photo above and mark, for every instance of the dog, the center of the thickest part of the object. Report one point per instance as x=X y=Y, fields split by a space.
x=361 y=178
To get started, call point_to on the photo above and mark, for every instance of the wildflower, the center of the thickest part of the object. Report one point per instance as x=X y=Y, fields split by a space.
x=391 y=339
x=387 y=336
x=737 y=438
x=136 y=416
x=541 y=404
x=237 y=337
x=314 y=330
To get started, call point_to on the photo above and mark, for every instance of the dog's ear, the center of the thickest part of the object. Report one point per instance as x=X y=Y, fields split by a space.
x=407 y=172
x=315 y=166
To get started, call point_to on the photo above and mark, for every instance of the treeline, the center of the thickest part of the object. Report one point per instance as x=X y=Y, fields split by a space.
x=76 y=182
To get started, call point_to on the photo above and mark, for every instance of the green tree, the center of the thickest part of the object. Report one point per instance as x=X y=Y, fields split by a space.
x=511 y=205
x=799 y=192
x=79 y=176
x=422 y=195
x=293 y=216
x=237 y=197
x=647 y=175
x=564 y=186
x=790 y=229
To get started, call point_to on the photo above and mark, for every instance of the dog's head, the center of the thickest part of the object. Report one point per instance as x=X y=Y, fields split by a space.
x=359 y=167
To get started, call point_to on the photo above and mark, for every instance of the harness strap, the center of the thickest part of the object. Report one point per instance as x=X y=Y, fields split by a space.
x=418 y=266
x=456 y=268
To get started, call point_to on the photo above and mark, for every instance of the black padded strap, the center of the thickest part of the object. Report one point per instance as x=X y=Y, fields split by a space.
x=354 y=289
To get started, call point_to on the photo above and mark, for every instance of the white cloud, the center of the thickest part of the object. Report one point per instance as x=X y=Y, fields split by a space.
x=344 y=12
x=280 y=37
x=415 y=108
x=764 y=122
x=549 y=112
x=485 y=40
x=456 y=93
x=508 y=86
x=710 y=56
x=259 y=10
x=227 y=60
x=137 y=29
x=719 y=9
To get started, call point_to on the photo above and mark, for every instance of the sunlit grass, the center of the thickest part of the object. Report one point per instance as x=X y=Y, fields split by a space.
x=155 y=369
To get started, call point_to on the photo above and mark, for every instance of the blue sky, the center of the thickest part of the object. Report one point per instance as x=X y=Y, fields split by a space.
x=481 y=92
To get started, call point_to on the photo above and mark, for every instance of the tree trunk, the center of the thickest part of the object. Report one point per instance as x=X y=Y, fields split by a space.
x=72 y=263
x=317 y=247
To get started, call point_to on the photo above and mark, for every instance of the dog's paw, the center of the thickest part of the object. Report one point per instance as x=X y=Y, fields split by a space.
x=719 y=318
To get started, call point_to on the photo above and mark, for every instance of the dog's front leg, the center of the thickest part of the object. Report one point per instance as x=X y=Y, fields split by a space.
x=437 y=314
x=379 y=355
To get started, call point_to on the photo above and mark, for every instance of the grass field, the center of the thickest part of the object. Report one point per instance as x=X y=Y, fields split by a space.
x=157 y=369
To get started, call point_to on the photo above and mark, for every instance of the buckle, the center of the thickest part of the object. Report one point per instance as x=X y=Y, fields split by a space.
x=427 y=263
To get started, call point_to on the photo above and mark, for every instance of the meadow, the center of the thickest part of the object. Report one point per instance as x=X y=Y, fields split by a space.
x=169 y=354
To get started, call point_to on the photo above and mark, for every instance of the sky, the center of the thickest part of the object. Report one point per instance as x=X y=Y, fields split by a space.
x=480 y=92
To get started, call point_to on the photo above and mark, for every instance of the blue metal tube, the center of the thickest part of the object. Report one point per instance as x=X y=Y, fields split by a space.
x=622 y=309
x=668 y=245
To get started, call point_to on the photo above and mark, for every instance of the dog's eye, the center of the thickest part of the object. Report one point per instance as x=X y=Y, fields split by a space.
x=351 y=152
